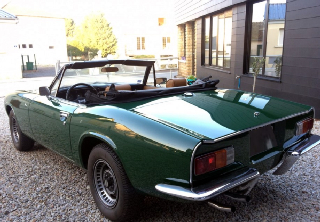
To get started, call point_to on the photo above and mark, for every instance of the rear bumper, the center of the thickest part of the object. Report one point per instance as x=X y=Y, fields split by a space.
x=293 y=154
x=211 y=189
x=238 y=177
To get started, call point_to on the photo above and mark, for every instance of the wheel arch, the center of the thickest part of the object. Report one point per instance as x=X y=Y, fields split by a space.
x=90 y=140
x=8 y=109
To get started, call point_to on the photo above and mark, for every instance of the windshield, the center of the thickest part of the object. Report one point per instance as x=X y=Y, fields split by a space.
x=124 y=74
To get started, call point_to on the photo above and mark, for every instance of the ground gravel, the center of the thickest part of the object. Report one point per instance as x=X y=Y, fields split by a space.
x=42 y=186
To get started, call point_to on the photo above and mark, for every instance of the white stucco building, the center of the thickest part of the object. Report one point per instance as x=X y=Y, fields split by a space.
x=43 y=37
x=10 y=59
x=26 y=31
x=143 y=27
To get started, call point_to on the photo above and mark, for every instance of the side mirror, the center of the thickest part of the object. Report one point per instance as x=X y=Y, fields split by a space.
x=44 y=91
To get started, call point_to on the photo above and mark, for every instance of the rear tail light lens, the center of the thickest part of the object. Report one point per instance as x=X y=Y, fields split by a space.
x=214 y=160
x=304 y=126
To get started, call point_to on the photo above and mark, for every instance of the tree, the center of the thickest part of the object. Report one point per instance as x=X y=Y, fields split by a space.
x=92 y=35
x=257 y=64
x=70 y=26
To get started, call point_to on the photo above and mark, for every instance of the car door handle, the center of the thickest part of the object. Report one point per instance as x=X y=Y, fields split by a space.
x=64 y=117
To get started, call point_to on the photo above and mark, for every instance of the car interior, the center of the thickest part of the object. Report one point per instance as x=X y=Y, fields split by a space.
x=102 y=92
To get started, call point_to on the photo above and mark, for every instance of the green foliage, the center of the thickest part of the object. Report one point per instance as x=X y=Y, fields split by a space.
x=257 y=64
x=92 y=35
x=278 y=62
x=74 y=51
x=70 y=26
x=144 y=56
x=191 y=77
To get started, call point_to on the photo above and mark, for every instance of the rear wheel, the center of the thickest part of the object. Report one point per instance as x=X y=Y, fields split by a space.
x=20 y=141
x=110 y=187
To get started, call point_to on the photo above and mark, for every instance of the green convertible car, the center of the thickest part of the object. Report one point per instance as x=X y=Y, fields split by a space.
x=162 y=138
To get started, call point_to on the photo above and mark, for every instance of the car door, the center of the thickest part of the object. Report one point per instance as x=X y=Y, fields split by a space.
x=50 y=119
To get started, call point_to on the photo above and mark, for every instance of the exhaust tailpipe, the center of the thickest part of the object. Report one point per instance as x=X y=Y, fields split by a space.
x=221 y=207
x=238 y=197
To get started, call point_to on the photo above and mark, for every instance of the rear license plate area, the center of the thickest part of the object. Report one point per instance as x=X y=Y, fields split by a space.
x=262 y=139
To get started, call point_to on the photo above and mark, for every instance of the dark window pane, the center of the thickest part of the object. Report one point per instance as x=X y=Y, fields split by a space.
x=206 y=41
x=214 y=40
x=227 y=38
x=275 y=35
x=51 y=47
x=257 y=33
x=24 y=46
x=30 y=46
x=220 y=39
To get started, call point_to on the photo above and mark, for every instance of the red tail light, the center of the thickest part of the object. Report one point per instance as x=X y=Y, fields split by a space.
x=214 y=160
x=304 y=126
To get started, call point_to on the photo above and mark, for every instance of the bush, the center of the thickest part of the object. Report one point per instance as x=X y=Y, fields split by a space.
x=144 y=57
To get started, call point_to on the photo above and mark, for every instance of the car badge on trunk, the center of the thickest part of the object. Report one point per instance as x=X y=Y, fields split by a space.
x=256 y=114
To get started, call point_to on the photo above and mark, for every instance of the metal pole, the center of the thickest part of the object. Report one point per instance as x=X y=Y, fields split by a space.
x=35 y=61
x=22 y=63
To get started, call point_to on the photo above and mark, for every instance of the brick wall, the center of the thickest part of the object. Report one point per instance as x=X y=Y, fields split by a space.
x=186 y=49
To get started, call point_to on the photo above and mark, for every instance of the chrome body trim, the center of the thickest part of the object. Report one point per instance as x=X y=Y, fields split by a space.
x=211 y=189
x=255 y=127
x=293 y=153
x=191 y=161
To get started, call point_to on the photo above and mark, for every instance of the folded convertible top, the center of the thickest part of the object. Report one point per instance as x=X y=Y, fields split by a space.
x=117 y=96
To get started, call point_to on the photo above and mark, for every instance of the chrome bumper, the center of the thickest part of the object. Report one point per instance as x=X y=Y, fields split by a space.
x=293 y=154
x=212 y=188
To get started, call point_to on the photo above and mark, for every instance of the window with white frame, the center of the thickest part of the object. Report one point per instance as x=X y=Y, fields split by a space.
x=141 y=43
x=281 y=35
x=165 y=42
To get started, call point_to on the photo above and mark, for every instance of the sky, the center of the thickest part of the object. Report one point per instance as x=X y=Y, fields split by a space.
x=121 y=14
x=124 y=10
x=259 y=8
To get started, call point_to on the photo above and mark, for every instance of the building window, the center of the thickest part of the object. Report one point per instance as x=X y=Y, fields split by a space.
x=165 y=42
x=267 y=22
x=24 y=46
x=141 y=43
x=30 y=46
x=161 y=21
x=51 y=47
x=281 y=35
x=216 y=47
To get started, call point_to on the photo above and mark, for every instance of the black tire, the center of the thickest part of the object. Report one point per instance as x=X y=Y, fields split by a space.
x=20 y=141
x=111 y=189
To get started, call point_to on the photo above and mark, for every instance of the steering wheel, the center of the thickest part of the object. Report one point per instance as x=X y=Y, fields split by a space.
x=78 y=84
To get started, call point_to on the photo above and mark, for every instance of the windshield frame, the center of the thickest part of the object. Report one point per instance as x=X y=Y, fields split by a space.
x=101 y=63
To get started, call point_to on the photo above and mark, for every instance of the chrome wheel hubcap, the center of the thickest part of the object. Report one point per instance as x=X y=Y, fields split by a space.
x=105 y=183
x=15 y=132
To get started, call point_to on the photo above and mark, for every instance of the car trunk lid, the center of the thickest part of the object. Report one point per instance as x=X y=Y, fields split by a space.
x=214 y=114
